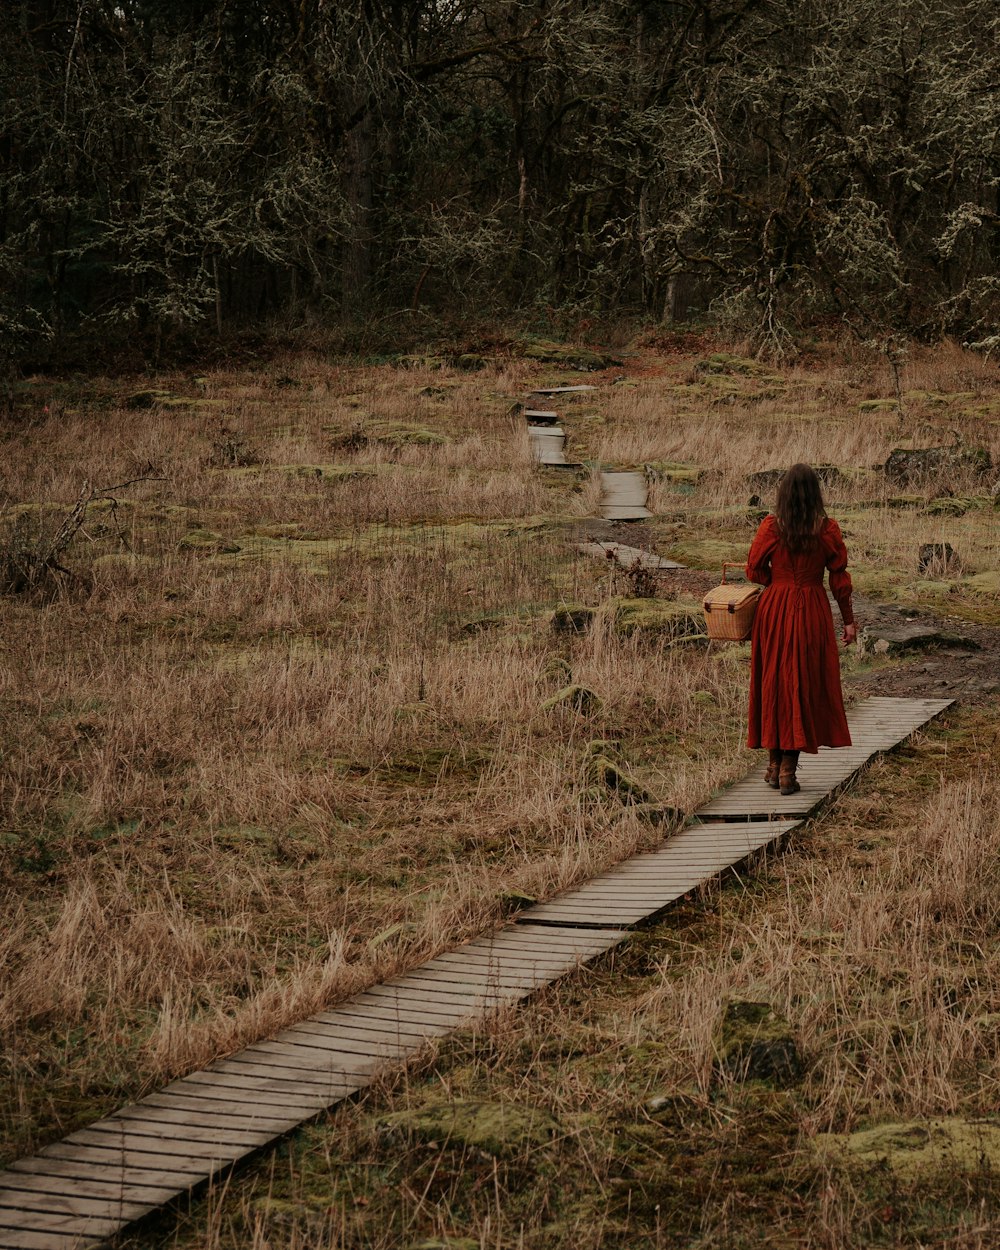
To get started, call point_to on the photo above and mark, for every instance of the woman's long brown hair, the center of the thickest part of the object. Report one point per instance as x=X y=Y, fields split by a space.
x=799 y=510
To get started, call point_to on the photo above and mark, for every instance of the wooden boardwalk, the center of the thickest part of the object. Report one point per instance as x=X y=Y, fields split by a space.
x=623 y=496
x=876 y=725
x=83 y=1189
x=548 y=444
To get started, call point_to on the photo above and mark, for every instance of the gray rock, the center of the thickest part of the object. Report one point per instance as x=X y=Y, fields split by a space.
x=898 y=639
x=577 y=697
x=570 y=619
x=938 y=558
x=916 y=464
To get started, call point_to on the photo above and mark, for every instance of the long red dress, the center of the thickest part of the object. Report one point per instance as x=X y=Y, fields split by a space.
x=796 y=702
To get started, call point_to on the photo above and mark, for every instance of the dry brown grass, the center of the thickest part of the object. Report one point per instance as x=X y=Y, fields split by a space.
x=876 y=934
x=239 y=785
x=226 y=774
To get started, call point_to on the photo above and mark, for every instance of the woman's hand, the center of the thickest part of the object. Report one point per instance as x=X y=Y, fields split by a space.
x=850 y=634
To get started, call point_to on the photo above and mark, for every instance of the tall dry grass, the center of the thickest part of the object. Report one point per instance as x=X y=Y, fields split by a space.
x=238 y=786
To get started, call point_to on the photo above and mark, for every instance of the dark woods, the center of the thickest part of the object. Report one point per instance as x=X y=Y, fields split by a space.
x=172 y=166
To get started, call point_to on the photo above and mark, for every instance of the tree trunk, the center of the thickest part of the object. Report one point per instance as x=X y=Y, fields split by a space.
x=360 y=194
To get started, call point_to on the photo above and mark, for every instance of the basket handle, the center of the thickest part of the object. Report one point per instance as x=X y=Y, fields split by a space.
x=730 y=564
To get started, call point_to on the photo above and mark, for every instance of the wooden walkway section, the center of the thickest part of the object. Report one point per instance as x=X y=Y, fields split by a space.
x=629 y=557
x=548 y=444
x=82 y=1190
x=635 y=891
x=623 y=496
x=876 y=725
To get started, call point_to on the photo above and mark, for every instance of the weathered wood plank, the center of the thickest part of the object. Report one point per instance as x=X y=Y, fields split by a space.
x=226 y=1109
x=330 y=1084
x=299 y=1054
x=71 y=1206
x=89 y=1171
x=125 y=1159
x=623 y=496
x=178 y=1153
x=28 y=1239
x=211 y=1132
x=69 y=1186
x=304 y=1098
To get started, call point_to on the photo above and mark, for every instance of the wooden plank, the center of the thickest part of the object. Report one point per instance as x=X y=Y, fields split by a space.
x=514 y=963
x=72 y=1206
x=547 y=444
x=176 y=1112
x=210 y=1132
x=623 y=496
x=349 y=1014
x=305 y=1098
x=479 y=985
x=27 y=1239
x=418 y=1029
x=583 y=945
x=383 y=1046
x=463 y=983
x=124 y=1159
x=79 y=1168
x=416 y=1003
x=71 y=1186
x=174 y=1153
x=474 y=975
x=329 y=1085
x=299 y=1053
x=326 y=1038
x=227 y=1109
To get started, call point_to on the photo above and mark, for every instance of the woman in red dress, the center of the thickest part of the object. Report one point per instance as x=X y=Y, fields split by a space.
x=795 y=697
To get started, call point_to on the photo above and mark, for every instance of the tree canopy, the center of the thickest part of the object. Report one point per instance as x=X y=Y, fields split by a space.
x=180 y=163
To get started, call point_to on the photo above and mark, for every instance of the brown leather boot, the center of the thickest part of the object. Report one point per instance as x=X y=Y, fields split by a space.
x=773 y=767
x=787 y=782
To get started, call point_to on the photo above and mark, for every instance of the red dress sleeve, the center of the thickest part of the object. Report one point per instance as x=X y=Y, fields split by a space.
x=836 y=562
x=759 y=560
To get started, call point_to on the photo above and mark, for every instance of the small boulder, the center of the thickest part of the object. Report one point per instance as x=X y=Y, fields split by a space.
x=577 y=697
x=754 y=1042
x=572 y=619
x=557 y=669
x=147 y=399
x=899 y=639
x=933 y=559
x=605 y=772
x=915 y=464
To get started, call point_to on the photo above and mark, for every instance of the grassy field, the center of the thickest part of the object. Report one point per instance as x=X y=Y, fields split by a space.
x=280 y=730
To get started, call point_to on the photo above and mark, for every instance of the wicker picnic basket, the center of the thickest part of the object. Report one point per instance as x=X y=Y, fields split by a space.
x=729 y=608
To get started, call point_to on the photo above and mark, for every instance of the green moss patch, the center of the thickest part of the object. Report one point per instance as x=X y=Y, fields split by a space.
x=207 y=542
x=656 y=618
x=668 y=471
x=501 y=1129
x=915 y=1148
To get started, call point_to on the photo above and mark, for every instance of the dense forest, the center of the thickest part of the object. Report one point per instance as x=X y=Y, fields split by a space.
x=178 y=166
